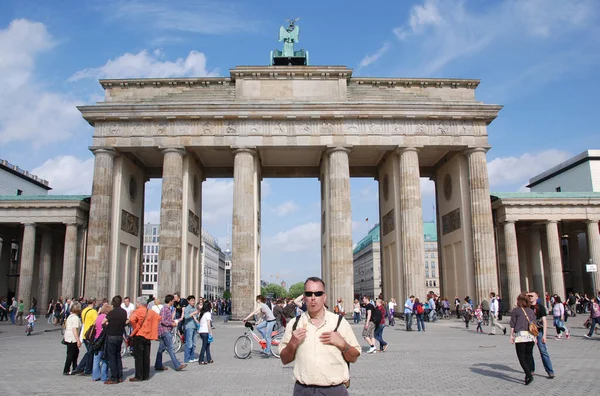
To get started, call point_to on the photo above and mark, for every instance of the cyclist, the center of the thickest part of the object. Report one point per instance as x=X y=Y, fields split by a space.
x=265 y=323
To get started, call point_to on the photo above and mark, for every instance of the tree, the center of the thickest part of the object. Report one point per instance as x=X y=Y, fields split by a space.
x=227 y=295
x=296 y=289
x=275 y=290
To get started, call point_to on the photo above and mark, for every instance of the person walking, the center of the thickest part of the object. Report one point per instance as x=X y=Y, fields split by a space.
x=494 y=315
x=89 y=316
x=520 y=318
x=391 y=310
x=594 y=317
x=369 y=329
x=165 y=327
x=356 y=311
x=467 y=311
x=71 y=338
x=144 y=322
x=457 y=306
x=322 y=345
x=540 y=316
x=479 y=318
x=190 y=330
x=379 y=327
x=558 y=312
x=408 y=312
x=115 y=322
x=20 y=310
x=12 y=310
x=205 y=331
x=419 y=310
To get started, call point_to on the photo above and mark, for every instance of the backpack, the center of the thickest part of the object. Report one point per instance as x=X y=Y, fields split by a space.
x=336 y=329
x=420 y=309
x=376 y=317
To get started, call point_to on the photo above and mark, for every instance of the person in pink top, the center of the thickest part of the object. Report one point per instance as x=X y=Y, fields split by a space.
x=100 y=366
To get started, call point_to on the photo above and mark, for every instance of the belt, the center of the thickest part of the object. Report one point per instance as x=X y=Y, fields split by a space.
x=317 y=386
x=269 y=321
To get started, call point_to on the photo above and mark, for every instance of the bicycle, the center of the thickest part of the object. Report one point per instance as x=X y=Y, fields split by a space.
x=244 y=345
x=178 y=339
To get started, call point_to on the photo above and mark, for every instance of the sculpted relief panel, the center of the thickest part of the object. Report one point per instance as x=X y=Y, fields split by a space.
x=300 y=127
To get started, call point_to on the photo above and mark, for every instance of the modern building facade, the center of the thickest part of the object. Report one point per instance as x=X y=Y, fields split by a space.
x=17 y=181
x=432 y=268
x=580 y=173
x=149 y=279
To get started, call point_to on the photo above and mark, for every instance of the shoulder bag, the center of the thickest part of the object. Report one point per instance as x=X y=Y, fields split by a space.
x=533 y=329
x=129 y=340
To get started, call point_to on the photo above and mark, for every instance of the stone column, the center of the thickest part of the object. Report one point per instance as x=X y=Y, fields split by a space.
x=171 y=218
x=26 y=267
x=594 y=247
x=575 y=263
x=484 y=254
x=411 y=223
x=557 y=283
x=99 y=235
x=340 y=228
x=70 y=263
x=512 y=261
x=244 y=232
x=526 y=282
x=45 y=269
x=537 y=263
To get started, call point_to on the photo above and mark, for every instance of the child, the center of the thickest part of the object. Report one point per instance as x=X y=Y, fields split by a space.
x=31 y=318
x=479 y=318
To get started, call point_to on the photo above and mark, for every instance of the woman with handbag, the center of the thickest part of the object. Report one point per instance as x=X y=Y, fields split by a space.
x=205 y=332
x=71 y=338
x=558 y=311
x=523 y=333
x=100 y=365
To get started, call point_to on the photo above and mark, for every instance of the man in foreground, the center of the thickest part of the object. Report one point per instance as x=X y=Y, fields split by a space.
x=540 y=317
x=321 y=354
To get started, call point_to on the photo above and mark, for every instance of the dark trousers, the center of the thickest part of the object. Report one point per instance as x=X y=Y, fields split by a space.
x=205 y=349
x=307 y=390
x=72 y=355
x=141 y=354
x=113 y=356
x=87 y=361
x=525 y=355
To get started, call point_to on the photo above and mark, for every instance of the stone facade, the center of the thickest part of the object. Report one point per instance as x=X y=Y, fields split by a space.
x=301 y=121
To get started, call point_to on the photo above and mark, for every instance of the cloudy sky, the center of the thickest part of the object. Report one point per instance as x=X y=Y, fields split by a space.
x=538 y=58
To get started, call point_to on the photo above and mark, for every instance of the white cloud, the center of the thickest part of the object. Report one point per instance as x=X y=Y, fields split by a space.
x=286 y=208
x=67 y=174
x=445 y=30
x=217 y=202
x=369 y=59
x=300 y=238
x=515 y=172
x=146 y=64
x=152 y=217
x=29 y=112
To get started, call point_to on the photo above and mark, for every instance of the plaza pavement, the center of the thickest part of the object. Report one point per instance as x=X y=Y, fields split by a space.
x=445 y=360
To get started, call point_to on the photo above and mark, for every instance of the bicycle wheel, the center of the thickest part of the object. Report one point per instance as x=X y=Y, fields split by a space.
x=176 y=342
x=275 y=341
x=242 y=347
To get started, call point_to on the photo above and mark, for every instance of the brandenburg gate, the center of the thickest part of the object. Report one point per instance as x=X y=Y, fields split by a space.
x=291 y=121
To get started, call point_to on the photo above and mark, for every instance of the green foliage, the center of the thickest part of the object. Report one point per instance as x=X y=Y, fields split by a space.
x=227 y=295
x=296 y=289
x=274 y=289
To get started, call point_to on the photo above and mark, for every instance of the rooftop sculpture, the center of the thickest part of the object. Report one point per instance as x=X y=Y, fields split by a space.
x=288 y=56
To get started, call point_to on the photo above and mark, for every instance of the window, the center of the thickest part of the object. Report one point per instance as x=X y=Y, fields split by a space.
x=19 y=192
x=154 y=277
x=427 y=273
x=558 y=189
x=433 y=273
x=154 y=231
x=147 y=286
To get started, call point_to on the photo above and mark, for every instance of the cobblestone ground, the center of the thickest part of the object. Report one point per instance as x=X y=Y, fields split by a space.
x=445 y=360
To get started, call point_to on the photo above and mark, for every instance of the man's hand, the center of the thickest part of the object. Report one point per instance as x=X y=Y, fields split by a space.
x=298 y=337
x=333 y=338
x=544 y=338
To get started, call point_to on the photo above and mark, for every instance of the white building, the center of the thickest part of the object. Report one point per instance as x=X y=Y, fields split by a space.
x=432 y=273
x=150 y=259
x=580 y=173
x=213 y=267
x=17 y=181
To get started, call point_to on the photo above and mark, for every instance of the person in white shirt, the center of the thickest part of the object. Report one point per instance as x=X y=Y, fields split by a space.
x=391 y=309
x=494 y=309
x=432 y=312
x=128 y=306
x=205 y=330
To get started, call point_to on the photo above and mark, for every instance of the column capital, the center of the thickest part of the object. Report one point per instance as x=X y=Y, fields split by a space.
x=71 y=223
x=551 y=221
x=103 y=150
x=29 y=224
x=509 y=221
x=175 y=149
x=333 y=149
x=591 y=221
x=472 y=150
x=401 y=150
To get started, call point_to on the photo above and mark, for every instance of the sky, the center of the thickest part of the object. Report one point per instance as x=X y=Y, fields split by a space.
x=537 y=58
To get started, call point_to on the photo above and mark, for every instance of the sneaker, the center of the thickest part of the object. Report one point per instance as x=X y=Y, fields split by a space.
x=588 y=337
x=384 y=348
x=568 y=333
x=558 y=337
x=194 y=361
x=551 y=375
x=371 y=350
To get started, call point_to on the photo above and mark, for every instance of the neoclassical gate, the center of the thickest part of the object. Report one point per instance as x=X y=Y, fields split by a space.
x=291 y=121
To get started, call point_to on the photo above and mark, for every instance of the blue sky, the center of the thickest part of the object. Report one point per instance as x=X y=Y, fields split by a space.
x=538 y=58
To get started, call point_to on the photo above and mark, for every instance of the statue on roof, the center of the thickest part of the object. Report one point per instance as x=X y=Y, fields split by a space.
x=288 y=56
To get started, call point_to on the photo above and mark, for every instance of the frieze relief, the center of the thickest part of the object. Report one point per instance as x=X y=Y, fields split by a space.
x=130 y=223
x=385 y=127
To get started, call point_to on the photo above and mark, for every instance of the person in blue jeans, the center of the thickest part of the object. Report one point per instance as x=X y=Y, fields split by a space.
x=100 y=364
x=189 y=325
x=540 y=315
x=419 y=310
x=165 y=337
x=267 y=321
x=205 y=330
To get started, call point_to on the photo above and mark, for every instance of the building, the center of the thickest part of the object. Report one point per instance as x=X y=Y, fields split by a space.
x=149 y=279
x=213 y=267
x=367 y=263
x=17 y=181
x=432 y=269
x=580 y=173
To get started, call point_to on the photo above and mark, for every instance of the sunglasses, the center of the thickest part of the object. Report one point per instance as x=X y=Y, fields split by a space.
x=316 y=294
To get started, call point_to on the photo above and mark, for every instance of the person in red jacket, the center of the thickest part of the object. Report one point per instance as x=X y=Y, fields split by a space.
x=379 y=327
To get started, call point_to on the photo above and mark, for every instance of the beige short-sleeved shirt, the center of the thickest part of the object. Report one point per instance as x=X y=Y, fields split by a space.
x=316 y=363
x=73 y=325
